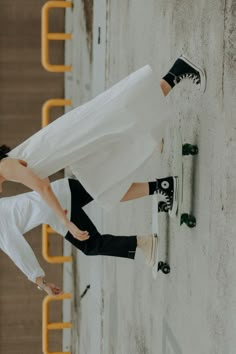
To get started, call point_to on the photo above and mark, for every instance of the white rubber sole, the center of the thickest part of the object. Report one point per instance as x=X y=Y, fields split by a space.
x=174 y=209
x=201 y=72
x=152 y=260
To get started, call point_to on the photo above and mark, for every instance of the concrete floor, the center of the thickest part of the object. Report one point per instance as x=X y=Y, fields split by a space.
x=193 y=309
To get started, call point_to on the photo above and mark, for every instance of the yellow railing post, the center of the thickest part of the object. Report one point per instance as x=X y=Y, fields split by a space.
x=54 y=102
x=52 y=326
x=46 y=36
x=46 y=231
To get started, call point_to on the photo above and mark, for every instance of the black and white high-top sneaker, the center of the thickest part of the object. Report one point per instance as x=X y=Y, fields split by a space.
x=182 y=69
x=162 y=207
x=166 y=190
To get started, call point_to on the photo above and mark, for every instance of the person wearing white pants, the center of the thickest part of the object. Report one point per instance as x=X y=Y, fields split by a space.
x=105 y=142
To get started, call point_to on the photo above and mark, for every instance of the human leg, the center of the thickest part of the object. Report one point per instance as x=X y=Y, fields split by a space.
x=136 y=190
x=117 y=246
x=165 y=87
x=80 y=197
x=97 y=244
x=182 y=69
x=106 y=244
x=165 y=188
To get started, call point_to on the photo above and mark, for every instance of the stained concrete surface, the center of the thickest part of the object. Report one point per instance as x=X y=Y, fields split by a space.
x=192 y=310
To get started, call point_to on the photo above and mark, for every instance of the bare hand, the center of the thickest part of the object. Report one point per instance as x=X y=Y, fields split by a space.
x=76 y=232
x=52 y=289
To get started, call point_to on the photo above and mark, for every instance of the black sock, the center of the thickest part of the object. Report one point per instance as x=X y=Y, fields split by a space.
x=152 y=187
x=170 y=79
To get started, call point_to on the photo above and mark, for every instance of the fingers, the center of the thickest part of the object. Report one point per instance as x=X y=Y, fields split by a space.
x=83 y=233
x=78 y=234
x=57 y=291
x=82 y=237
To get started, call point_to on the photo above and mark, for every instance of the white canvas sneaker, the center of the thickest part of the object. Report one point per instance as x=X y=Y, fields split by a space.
x=148 y=245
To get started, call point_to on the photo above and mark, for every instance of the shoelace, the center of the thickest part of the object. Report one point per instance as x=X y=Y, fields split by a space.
x=194 y=77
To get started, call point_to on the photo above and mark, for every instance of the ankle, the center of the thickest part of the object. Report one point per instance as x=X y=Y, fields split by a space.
x=140 y=241
x=165 y=87
x=143 y=240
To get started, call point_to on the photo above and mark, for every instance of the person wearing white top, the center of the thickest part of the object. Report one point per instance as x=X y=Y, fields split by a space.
x=23 y=212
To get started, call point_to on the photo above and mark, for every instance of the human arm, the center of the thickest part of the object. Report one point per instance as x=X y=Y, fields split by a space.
x=14 y=244
x=18 y=249
x=12 y=169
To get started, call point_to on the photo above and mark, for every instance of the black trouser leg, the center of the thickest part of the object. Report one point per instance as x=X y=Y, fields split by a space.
x=97 y=244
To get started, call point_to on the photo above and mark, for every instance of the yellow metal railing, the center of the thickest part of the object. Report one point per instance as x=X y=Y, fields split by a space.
x=46 y=36
x=47 y=326
x=47 y=230
x=55 y=102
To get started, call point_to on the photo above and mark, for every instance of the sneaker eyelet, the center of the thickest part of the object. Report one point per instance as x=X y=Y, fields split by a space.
x=165 y=184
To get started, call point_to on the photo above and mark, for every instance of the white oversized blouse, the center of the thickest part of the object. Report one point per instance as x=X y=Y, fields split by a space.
x=105 y=141
x=21 y=213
